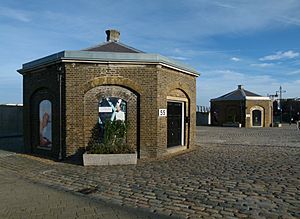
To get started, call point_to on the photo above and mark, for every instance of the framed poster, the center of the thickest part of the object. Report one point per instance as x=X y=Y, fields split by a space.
x=45 y=126
x=111 y=109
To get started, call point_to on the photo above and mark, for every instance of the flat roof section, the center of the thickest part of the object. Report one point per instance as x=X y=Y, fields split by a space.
x=108 y=57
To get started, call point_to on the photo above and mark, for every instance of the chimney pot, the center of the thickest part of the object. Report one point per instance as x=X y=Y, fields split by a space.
x=112 y=35
x=240 y=87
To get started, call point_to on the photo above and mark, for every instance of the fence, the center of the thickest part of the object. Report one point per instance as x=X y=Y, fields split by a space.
x=202 y=115
x=11 y=127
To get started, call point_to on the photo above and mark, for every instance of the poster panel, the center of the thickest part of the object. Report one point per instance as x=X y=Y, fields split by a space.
x=45 y=128
x=111 y=109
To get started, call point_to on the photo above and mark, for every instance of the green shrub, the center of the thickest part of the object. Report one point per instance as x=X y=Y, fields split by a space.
x=114 y=140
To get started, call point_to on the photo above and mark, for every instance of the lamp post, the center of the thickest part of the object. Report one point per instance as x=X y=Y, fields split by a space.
x=274 y=98
x=298 y=123
x=280 y=99
x=291 y=109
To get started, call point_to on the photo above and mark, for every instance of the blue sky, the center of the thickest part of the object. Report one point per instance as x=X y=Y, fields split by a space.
x=255 y=43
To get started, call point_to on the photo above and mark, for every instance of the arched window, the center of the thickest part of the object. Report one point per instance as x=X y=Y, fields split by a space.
x=45 y=126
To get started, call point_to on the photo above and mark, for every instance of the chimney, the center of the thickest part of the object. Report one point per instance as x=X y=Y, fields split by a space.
x=240 y=87
x=112 y=36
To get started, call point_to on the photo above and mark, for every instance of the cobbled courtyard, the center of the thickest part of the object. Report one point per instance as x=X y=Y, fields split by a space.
x=232 y=173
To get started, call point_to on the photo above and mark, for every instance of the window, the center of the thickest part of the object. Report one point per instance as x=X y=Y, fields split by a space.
x=256 y=118
x=45 y=126
x=111 y=109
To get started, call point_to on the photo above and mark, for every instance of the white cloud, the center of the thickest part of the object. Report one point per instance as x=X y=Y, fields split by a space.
x=179 y=58
x=290 y=20
x=280 y=55
x=223 y=5
x=235 y=59
x=262 y=65
x=296 y=72
x=210 y=17
x=15 y=14
x=226 y=74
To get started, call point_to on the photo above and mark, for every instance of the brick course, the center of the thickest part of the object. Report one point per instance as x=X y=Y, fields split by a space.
x=38 y=85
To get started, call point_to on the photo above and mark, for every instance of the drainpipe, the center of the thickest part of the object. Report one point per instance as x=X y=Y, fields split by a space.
x=60 y=72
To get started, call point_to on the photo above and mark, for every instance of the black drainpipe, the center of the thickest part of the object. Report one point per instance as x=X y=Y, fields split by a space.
x=60 y=72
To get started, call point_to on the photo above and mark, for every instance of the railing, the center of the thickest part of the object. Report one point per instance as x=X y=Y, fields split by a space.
x=202 y=109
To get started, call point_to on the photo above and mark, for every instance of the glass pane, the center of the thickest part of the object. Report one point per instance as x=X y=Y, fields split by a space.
x=174 y=124
x=256 y=118
x=111 y=109
x=45 y=118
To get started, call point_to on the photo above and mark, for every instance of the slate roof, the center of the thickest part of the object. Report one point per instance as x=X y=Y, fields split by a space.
x=238 y=94
x=113 y=47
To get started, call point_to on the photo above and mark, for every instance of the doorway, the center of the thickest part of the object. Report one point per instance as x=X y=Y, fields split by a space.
x=175 y=124
x=256 y=118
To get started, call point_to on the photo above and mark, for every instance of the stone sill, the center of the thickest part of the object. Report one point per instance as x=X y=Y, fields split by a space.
x=176 y=149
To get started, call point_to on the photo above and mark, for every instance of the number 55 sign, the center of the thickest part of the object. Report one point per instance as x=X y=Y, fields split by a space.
x=162 y=112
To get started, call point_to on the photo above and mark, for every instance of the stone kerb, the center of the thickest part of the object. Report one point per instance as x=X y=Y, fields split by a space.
x=109 y=159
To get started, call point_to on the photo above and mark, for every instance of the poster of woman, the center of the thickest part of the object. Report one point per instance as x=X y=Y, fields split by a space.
x=45 y=116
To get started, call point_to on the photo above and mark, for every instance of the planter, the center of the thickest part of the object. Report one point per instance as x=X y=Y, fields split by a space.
x=277 y=125
x=232 y=124
x=108 y=159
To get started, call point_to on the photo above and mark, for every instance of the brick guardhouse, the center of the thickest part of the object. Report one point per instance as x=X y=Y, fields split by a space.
x=68 y=94
x=242 y=107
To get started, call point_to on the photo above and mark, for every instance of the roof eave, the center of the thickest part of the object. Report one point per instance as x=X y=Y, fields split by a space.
x=214 y=100
x=56 y=57
x=257 y=98
x=106 y=57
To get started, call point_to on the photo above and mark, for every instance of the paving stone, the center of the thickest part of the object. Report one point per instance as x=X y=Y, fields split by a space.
x=31 y=200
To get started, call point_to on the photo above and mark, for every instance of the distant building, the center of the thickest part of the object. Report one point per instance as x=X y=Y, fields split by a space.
x=290 y=109
x=242 y=107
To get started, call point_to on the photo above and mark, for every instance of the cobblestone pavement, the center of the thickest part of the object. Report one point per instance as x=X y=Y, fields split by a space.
x=225 y=176
x=20 y=198
x=287 y=136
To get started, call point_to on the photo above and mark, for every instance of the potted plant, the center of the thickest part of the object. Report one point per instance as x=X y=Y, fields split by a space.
x=112 y=149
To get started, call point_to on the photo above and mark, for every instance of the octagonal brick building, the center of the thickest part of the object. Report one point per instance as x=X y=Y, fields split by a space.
x=66 y=95
x=243 y=107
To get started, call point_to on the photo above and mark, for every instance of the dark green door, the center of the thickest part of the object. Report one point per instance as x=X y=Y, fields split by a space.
x=174 y=117
x=256 y=118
